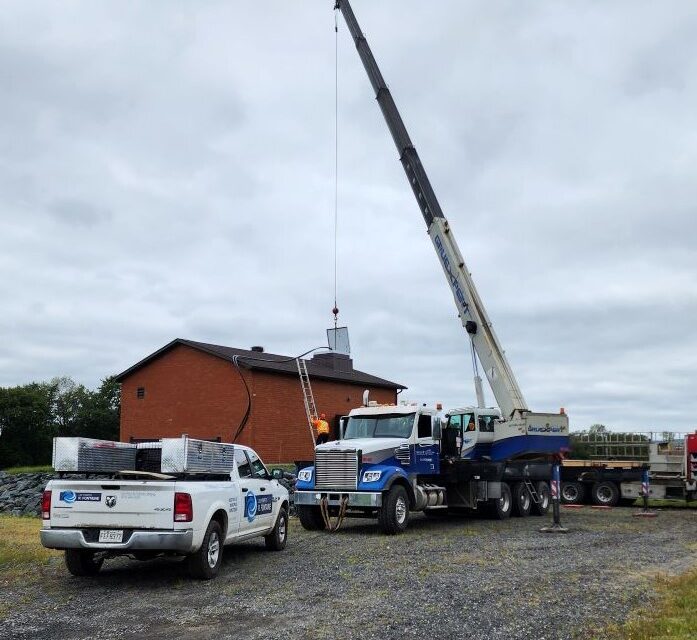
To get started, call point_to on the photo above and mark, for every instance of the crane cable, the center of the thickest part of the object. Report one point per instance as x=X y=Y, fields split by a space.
x=335 y=309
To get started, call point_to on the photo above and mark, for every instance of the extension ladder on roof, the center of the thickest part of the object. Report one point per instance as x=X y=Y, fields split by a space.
x=308 y=398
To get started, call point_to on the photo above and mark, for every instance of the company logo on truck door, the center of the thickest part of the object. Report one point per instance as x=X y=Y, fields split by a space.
x=257 y=505
x=454 y=283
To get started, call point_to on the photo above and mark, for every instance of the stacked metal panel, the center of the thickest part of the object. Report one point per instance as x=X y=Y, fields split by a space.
x=188 y=455
x=86 y=455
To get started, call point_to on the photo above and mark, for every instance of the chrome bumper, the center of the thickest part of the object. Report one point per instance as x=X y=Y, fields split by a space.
x=181 y=541
x=355 y=498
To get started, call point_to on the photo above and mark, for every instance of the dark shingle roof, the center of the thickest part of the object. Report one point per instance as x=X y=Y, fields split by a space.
x=269 y=362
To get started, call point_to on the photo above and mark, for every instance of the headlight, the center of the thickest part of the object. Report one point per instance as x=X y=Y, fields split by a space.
x=305 y=475
x=372 y=476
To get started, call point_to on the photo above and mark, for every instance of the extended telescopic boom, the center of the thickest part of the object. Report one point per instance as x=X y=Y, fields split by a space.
x=471 y=310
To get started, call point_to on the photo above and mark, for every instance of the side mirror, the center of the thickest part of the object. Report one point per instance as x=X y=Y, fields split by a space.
x=277 y=474
x=436 y=430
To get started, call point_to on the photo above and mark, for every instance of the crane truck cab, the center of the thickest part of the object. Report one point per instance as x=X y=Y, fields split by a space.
x=378 y=467
x=468 y=432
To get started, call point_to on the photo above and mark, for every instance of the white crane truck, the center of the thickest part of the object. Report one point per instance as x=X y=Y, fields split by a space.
x=395 y=459
x=177 y=496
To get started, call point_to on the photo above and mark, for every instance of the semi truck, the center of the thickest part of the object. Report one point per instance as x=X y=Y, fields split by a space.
x=391 y=460
x=613 y=471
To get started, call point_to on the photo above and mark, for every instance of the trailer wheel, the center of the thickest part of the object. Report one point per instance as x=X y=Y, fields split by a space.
x=501 y=508
x=81 y=562
x=394 y=514
x=204 y=564
x=522 y=500
x=605 y=494
x=572 y=492
x=542 y=507
x=310 y=517
x=276 y=540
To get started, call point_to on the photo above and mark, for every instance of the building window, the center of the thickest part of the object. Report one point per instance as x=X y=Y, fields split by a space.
x=140 y=393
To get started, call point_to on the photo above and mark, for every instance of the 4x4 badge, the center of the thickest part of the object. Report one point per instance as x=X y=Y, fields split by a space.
x=110 y=501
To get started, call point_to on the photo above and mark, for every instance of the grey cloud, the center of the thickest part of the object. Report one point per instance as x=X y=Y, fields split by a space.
x=184 y=156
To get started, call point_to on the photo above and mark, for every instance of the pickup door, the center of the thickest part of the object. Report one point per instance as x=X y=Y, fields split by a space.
x=257 y=493
x=128 y=504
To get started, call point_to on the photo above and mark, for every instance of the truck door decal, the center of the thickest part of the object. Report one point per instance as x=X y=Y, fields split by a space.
x=257 y=506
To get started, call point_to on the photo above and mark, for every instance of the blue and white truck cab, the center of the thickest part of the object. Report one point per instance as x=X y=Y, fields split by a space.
x=383 y=454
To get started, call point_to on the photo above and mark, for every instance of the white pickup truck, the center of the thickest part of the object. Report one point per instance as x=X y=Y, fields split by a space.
x=145 y=514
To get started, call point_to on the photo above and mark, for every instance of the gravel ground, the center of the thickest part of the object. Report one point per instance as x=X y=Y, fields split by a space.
x=457 y=577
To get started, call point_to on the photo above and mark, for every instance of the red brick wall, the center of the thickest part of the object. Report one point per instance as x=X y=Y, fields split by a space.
x=188 y=391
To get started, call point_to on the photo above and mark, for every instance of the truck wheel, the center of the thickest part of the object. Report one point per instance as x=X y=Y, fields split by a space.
x=394 y=514
x=81 y=562
x=204 y=564
x=572 y=492
x=310 y=517
x=501 y=508
x=276 y=540
x=542 y=507
x=605 y=494
x=522 y=500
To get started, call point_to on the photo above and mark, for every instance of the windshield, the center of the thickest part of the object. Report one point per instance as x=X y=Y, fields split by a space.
x=383 y=426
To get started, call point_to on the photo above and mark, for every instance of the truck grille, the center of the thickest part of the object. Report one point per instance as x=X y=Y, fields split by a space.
x=336 y=469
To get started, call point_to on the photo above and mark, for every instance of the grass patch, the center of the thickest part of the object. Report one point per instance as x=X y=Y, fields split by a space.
x=46 y=468
x=673 y=503
x=20 y=549
x=672 y=617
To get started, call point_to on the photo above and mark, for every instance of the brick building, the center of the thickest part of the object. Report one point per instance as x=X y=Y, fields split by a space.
x=207 y=391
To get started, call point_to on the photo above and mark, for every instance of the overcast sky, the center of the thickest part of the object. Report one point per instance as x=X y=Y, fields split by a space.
x=167 y=170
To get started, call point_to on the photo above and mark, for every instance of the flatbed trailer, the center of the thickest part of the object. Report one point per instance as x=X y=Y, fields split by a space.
x=671 y=460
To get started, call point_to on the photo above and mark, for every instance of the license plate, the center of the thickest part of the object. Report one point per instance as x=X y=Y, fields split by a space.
x=111 y=535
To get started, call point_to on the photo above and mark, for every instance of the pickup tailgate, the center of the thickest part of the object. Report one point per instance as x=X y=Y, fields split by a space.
x=133 y=504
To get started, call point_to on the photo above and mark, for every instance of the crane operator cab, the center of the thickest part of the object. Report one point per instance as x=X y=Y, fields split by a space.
x=469 y=432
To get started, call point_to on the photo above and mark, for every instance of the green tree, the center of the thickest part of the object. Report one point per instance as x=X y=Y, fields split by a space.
x=31 y=415
x=27 y=424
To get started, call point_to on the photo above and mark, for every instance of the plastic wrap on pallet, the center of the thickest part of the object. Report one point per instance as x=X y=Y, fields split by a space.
x=86 y=455
x=187 y=455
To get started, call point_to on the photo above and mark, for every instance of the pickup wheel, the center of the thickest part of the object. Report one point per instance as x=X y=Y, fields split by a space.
x=605 y=494
x=204 y=564
x=522 y=500
x=81 y=562
x=394 y=514
x=310 y=517
x=542 y=507
x=500 y=508
x=276 y=540
x=572 y=492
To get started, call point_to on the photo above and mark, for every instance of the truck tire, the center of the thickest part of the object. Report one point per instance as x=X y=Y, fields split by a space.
x=204 y=564
x=542 y=507
x=522 y=500
x=310 y=517
x=394 y=514
x=276 y=540
x=500 y=508
x=572 y=492
x=605 y=494
x=81 y=562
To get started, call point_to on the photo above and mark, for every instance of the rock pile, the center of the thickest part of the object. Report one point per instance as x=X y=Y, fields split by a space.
x=20 y=494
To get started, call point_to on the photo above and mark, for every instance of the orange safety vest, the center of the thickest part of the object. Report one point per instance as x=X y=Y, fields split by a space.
x=322 y=426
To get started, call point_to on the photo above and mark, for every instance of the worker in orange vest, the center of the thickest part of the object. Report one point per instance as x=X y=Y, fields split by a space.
x=322 y=428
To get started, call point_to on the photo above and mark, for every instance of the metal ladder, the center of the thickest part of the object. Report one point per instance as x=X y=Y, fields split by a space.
x=308 y=398
x=533 y=493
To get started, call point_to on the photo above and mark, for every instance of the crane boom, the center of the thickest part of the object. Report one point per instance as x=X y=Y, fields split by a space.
x=471 y=310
